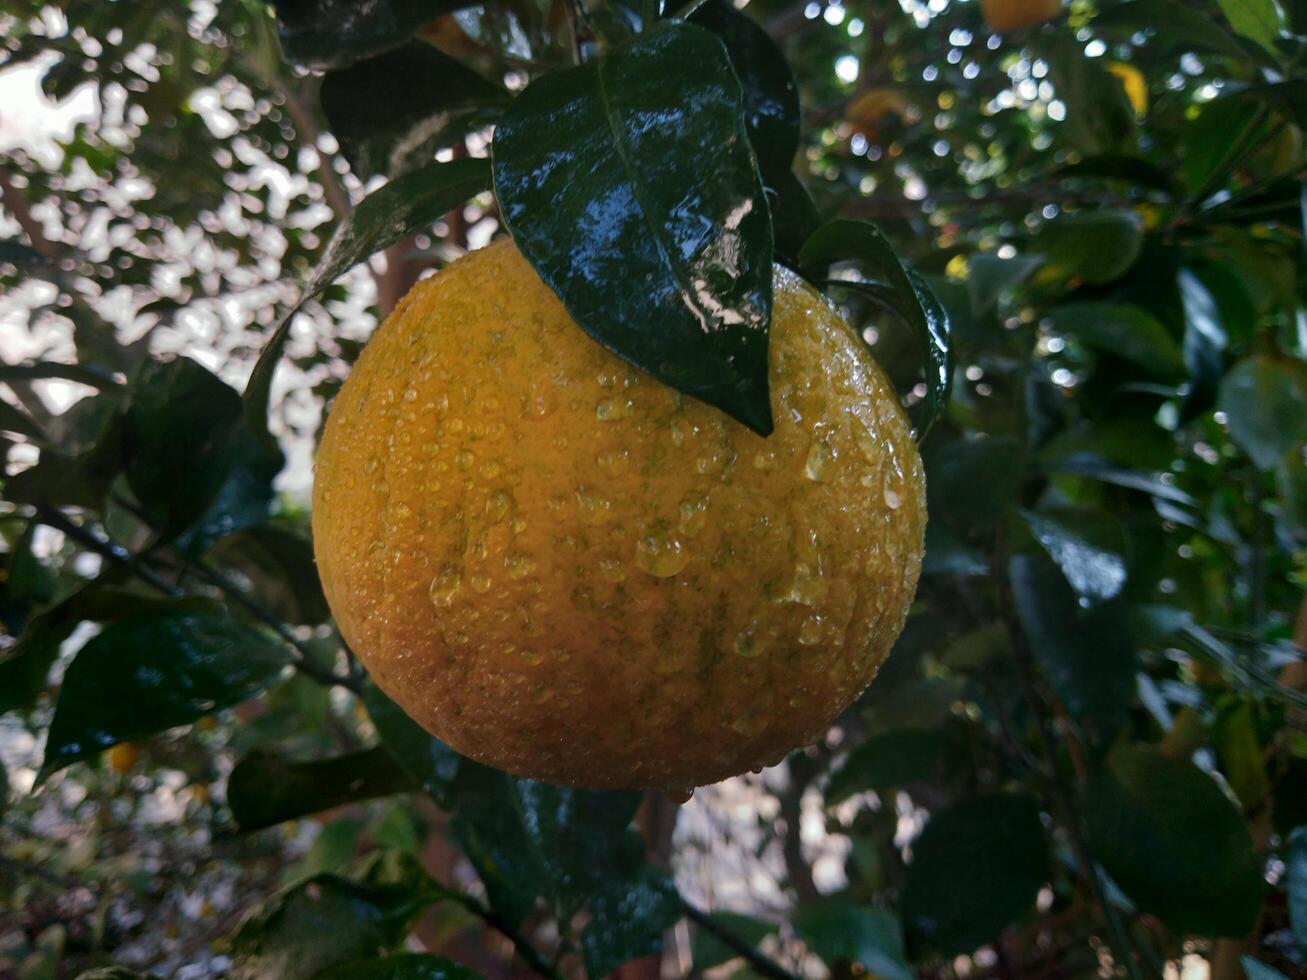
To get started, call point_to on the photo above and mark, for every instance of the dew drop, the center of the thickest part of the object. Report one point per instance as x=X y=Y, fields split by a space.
x=679 y=796
x=520 y=566
x=808 y=588
x=480 y=584
x=660 y=553
x=445 y=585
x=749 y=642
x=611 y=409
x=497 y=507
x=892 y=500
x=594 y=509
x=811 y=630
x=694 y=513
x=465 y=458
x=820 y=455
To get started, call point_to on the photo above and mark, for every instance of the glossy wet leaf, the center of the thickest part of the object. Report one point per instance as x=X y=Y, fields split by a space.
x=151 y=672
x=632 y=906
x=266 y=787
x=331 y=33
x=400 y=966
x=1087 y=549
x=1095 y=247
x=390 y=113
x=895 y=287
x=1207 y=140
x=431 y=763
x=325 y=921
x=1174 y=843
x=970 y=482
x=1266 y=406
x=245 y=498
x=649 y=222
x=1125 y=331
x=707 y=951
x=1204 y=342
x=886 y=762
x=389 y=214
x=179 y=441
x=976 y=868
x=841 y=931
x=771 y=96
x=1087 y=653
x=1094 y=467
x=1098 y=116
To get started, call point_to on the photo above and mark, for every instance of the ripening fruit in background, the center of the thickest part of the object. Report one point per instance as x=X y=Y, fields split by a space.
x=1005 y=16
x=1134 y=83
x=566 y=569
x=123 y=757
x=868 y=112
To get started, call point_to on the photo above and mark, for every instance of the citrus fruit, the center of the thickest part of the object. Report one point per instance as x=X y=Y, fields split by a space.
x=1005 y=16
x=568 y=570
x=123 y=756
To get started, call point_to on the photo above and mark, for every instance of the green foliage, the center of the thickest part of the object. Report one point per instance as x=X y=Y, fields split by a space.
x=1100 y=277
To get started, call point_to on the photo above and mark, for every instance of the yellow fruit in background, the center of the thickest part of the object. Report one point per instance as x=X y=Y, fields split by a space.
x=568 y=570
x=1134 y=83
x=122 y=757
x=1004 y=16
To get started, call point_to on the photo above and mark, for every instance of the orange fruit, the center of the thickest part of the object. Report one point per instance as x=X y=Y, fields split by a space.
x=568 y=570
x=1005 y=16
x=122 y=757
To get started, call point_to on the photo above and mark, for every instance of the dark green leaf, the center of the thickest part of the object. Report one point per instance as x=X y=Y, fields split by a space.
x=1234 y=736
x=401 y=966
x=1095 y=247
x=266 y=788
x=1256 y=19
x=1223 y=125
x=970 y=482
x=1130 y=169
x=1125 y=331
x=1099 y=117
x=897 y=287
x=1174 y=843
x=151 y=672
x=976 y=867
x=280 y=567
x=771 y=97
x=178 y=441
x=1095 y=467
x=245 y=498
x=989 y=277
x=330 y=33
x=1266 y=408
x=1291 y=482
x=1087 y=653
x=1174 y=22
x=1204 y=342
x=888 y=761
x=1085 y=547
x=392 y=112
x=325 y=921
x=427 y=760
x=389 y=214
x=707 y=951
x=632 y=906
x=840 y=931
x=1295 y=882
x=650 y=222
x=794 y=215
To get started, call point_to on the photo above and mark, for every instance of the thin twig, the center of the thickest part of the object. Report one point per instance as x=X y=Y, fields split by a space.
x=106 y=548
x=525 y=950
x=760 y=963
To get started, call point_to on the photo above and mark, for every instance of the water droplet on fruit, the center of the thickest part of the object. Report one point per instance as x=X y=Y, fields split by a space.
x=679 y=796
x=892 y=500
x=660 y=553
x=817 y=465
x=480 y=583
x=811 y=630
x=613 y=408
x=445 y=585
x=694 y=513
x=465 y=458
x=520 y=566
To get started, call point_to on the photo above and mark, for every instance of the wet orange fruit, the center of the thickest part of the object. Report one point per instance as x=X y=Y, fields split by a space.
x=565 y=569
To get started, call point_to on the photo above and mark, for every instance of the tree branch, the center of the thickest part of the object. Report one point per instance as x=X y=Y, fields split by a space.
x=760 y=963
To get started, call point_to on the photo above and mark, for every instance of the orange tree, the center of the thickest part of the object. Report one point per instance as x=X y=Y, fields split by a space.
x=1085 y=754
